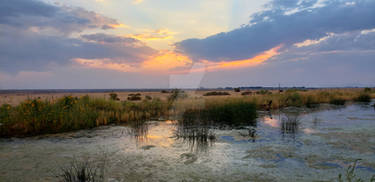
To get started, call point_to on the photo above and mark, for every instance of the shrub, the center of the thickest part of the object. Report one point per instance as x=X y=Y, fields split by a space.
x=237 y=89
x=215 y=93
x=363 y=97
x=164 y=91
x=134 y=97
x=113 y=96
x=148 y=97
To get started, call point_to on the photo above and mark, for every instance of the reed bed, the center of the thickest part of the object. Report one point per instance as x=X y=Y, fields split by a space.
x=36 y=116
x=33 y=117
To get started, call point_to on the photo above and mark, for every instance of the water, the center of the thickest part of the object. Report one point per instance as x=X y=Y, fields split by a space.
x=290 y=145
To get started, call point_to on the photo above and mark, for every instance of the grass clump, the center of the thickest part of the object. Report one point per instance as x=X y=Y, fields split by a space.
x=263 y=92
x=367 y=90
x=228 y=113
x=247 y=93
x=351 y=176
x=34 y=117
x=177 y=94
x=82 y=171
x=214 y=93
x=337 y=101
x=363 y=97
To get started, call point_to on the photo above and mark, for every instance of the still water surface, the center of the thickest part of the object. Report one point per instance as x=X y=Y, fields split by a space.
x=289 y=145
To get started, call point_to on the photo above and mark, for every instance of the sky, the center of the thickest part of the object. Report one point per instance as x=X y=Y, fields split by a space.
x=93 y=44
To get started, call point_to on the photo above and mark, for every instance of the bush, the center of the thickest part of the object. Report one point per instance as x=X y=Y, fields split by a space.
x=164 y=91
x=364 y=97
x=215 y=93
x=134 y=97
x=113 y=96
x=148 y=97
x=237 y=89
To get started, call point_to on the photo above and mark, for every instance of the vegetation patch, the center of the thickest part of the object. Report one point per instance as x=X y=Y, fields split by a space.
x=215 y=93
x=247 y=93
x=134 y=97
x=337 y=101
x=33 y=117
x=113 y=96
x=228 y=113
x=363 y=97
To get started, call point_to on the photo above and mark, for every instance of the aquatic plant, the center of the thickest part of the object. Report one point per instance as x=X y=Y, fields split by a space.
x=228 y=113
x=363 y=97
x=215 y=93
x=290 y=124
x=33 y=117
x=350 y=175
x=81 y=171
x=337 y=101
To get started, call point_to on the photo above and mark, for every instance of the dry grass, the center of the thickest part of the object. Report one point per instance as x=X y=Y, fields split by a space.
x=52 y=113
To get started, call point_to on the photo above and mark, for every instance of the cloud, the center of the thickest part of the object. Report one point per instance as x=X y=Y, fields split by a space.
x=36 y=36
x=40 y=15
x=106 y=38
x=285 y=22
x=137 y=1
x=159 y=34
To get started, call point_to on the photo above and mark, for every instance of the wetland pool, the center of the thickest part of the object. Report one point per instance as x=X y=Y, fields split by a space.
x=294 y=144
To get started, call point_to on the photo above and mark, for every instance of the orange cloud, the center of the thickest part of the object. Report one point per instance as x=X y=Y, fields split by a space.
x=160 y=34
x=120 y=25
x=232 y=64
x=165 y=61
x=171 y=62
x=105 y=64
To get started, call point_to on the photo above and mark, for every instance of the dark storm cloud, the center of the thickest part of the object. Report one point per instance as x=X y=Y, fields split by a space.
x=286 y=22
